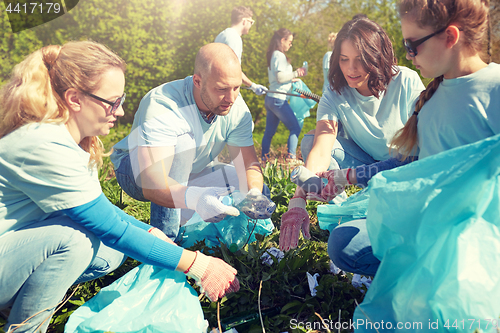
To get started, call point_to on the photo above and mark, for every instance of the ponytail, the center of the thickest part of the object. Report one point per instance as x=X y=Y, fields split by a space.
x=28 y=96
x=35 y=92
x=406 y=139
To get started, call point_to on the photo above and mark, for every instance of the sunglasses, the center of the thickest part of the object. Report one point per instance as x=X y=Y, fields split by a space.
x=411 y=46
x=115 y=105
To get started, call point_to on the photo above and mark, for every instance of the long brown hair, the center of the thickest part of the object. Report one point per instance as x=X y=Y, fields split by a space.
x=35 y=91
x=472 y=18
x=376 y=53
x=275 y=43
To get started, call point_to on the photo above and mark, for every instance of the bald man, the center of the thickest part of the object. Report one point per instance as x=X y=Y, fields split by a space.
x=170 y=156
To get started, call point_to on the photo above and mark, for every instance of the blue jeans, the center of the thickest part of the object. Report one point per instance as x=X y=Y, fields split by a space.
x=350 y=248
x=345 y=152
x=279 y=110
x=167 y=219
x=41 y=261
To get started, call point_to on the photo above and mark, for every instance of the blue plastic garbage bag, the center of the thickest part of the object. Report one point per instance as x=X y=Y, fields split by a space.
x=147 y=299
x=301 y=106
x=435 y=226
x=197 y=230
x=354 y=208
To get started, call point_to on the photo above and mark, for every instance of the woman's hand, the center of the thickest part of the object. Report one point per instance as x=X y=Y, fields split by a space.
x=301 y=71
x=292 y=222
x=214 y=276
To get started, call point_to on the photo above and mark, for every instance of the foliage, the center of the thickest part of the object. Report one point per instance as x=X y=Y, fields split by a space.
x=159 y=39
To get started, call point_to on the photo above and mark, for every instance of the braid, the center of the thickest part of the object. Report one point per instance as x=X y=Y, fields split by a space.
x=406 y=139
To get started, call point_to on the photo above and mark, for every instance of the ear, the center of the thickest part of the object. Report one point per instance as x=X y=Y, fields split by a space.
x=452 y=35
x=72 y=99
x=197 y=81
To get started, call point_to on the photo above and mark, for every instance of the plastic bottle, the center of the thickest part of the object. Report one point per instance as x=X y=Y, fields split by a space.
x=240 y=321
x=305 y=65
x=234 y=229
x=306 y=179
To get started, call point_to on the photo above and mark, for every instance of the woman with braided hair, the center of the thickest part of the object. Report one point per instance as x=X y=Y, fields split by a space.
x=56 y=226
x=444 y=39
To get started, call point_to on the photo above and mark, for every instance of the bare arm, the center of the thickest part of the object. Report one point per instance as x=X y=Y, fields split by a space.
x=320 y=155
x=157 y=186
x=247 y=167
x=245 y=79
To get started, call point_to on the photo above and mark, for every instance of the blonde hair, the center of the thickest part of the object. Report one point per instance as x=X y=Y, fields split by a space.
x=35 y=91
x=471 y=16
x=331 y=40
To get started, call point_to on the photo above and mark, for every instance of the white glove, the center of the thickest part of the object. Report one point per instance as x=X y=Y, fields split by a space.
x=255 y=205
x=206 y=202
x=258 y=89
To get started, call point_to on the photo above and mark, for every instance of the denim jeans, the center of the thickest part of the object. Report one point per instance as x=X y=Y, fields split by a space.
x=167 y=219
x=345 y=152
x=279 y=110
x=350 y=248
x=39 y=263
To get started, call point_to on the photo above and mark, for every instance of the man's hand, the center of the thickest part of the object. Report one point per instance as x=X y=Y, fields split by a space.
x=255 y=205
x=258 y=89
x=215 y=277
x=337 y=181
x=206 y=202
x=294 y=220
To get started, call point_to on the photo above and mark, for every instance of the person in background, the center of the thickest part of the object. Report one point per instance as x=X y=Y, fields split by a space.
x=241 y=22
x=326 y=60
x=372 y=98
x=281 y=75
x=169 y=157
x=460 y=106
x=56 y=226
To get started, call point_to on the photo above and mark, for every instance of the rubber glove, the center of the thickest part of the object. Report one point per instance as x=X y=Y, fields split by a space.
x=255 y=205
x=206 y=202
x=294 y=220
x=337 y=181
x=214 y=276
x=258 y=89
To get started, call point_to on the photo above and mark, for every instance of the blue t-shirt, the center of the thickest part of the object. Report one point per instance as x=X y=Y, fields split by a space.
x=231 y=38
x=326 y=68
x=279 y=63
x=169 y=111
x=461 y=111
x=42 y=171
x=372 y=122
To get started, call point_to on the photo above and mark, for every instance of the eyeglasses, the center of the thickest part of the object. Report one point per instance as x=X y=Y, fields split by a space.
x=411 y=46
x=250 y=20
x=115 y=105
